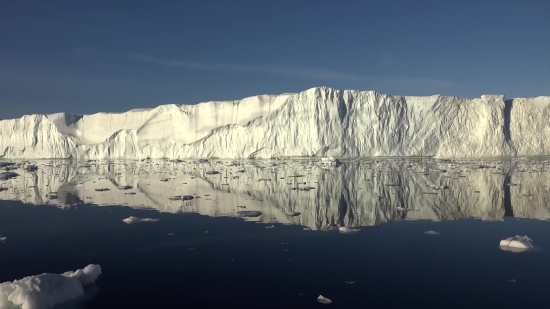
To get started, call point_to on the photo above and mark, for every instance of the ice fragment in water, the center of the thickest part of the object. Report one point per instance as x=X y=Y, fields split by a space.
x=323 y=300
x=517 y=244
x=432 y=233
x=347 y=230
x=47 y=290
x=248 y=213
x=133 y=219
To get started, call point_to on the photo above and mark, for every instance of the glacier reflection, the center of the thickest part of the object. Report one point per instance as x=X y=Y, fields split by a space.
x=358 y=193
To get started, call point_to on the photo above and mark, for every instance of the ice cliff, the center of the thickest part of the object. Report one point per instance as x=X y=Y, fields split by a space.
x=316 y=122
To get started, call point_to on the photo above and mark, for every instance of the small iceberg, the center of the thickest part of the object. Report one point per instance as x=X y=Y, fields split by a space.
x=347 y=230
x=517 y=244
x=3 y=240
x=329 y=161
x=432 y=233
x=324 y=300
x=8 y=175
x=133 y=219
x=48 y=290
x=248 y=214
x=181 y=198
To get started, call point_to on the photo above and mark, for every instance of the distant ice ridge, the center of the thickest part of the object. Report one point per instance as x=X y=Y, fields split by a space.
x=316 y=122
x=47 y=290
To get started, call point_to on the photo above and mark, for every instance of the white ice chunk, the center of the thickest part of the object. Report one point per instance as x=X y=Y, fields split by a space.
x=432 y=233
x=133 y=219
x=323 y=300
x=47 y=290
x=248 y=213
x=3 y=239
x=517 y=244
x=347 y=230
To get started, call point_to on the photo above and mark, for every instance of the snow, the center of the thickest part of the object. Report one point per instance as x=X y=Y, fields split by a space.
x=47 y=290
x=133 y=219
x=316 y=122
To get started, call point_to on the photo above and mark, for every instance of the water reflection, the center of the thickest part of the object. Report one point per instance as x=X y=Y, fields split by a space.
x=359 y=193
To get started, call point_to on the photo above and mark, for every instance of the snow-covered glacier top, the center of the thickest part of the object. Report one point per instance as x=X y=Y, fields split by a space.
x=316 y=122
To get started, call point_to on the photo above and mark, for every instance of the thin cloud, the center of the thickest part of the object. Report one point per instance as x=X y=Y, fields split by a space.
x=313 y=74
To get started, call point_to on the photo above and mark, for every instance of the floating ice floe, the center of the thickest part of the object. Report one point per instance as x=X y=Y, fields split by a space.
x=323 y=300
x=181 y=197
x=329 y=161
x=3 y=240
x=248 y=213
x=517 y=244
x=432 y=233
x=347 y=230
x=47 y=290
x=133 y=219
x=8 y=175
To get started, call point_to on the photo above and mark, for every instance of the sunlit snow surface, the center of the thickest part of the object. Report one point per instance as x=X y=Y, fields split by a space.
x=47 y=290
x=316 y=122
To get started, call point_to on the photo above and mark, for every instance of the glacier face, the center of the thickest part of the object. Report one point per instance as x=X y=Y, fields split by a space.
x=316 y=122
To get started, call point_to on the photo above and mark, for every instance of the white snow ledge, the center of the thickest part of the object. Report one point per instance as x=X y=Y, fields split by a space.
x=316 y=122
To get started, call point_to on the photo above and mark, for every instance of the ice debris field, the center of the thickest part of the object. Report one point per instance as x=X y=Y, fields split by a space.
x=316 y=122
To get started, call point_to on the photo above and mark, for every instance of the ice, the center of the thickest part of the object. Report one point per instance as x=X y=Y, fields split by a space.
x=3 y=239
x=323 y=300
x=8 y=175
x=517 y=244
x=432 y=233
x=47 y=290
x=133 y=219
x=347 y=230
x=320 y=122
x=248 y=213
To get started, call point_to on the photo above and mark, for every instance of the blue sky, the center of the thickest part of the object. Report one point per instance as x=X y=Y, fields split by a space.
x=92 y=56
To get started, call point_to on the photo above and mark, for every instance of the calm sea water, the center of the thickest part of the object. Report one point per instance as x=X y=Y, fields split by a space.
x=211 y=260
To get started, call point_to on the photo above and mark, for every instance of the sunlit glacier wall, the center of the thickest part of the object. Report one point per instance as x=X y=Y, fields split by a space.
x=316 y=122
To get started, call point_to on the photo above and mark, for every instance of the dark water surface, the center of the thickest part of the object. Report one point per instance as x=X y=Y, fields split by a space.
x=243 y=264
x=212 y=261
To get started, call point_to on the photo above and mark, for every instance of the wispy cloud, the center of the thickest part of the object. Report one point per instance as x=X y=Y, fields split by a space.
x=294 y=72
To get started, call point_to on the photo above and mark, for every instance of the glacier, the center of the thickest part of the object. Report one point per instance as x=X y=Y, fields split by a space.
x=317 y=122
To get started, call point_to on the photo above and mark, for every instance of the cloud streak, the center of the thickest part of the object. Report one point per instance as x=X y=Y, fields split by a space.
x=292 y=72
